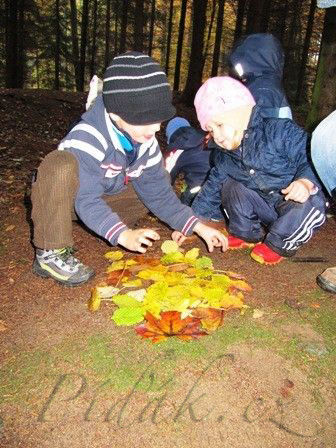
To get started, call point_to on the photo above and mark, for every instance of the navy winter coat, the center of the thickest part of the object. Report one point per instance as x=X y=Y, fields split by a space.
x=193 y=160
x=272 y=155
x=262 y=61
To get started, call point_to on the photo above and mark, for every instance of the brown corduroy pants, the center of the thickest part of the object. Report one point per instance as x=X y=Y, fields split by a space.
x=53 y=196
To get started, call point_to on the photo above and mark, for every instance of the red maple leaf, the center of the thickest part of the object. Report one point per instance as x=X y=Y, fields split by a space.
x=169 y=325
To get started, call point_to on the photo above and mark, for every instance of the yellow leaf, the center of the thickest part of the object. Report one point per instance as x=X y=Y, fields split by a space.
x=133 y=283
x=9 y=228
x=116 y=266
x=114 y=255
x=150 y=274
x=169 y=246
x=192 y=254
x=94 y=301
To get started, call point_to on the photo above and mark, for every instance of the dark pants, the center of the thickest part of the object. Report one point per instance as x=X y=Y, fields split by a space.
x=53 y=197
x=283 y=226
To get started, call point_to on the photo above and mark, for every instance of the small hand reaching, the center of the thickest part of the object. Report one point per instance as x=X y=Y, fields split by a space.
x=212 y=237
x=138 y=240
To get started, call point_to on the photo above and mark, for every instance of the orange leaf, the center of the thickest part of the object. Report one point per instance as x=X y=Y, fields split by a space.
x=149 y=261
x=232 y=274
x=239 y=285
x=211 y=318
x=114 y=277
x=169 y=325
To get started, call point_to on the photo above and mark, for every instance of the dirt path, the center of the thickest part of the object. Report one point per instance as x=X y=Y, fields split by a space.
x=72 y=378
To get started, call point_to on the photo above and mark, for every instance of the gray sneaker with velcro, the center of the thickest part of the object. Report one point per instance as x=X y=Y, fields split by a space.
x=62 y=266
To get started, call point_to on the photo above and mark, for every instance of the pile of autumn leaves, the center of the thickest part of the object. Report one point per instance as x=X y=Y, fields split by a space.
x=178 y=295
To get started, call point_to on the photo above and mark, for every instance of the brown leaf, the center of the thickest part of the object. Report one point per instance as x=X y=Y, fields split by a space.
x=211 y=318
x=169 y=325
x=3 y=326
x=178 y=267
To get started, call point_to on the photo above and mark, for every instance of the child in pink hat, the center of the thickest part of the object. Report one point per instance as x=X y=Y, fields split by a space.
x=262 y=180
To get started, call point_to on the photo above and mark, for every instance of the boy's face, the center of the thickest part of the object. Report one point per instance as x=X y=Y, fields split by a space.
x=141 y=133
x=224 y=134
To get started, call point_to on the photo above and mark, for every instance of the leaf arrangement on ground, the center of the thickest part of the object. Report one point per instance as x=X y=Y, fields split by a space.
x=178 y=295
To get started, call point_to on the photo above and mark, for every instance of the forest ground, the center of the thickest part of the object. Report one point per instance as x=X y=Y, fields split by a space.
x=71 y=378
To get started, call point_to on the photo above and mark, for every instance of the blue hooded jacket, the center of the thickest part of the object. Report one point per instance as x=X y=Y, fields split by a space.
x=258 y=59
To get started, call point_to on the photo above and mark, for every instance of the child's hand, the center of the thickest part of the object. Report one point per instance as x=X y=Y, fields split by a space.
x=212 y=237
x=138 y=240
x=299 y=190
x=178 y=237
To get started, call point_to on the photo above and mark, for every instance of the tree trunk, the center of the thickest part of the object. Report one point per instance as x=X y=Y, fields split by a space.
x=218 y=38
x=94 y=39
x=265 y=16
x=254 y=15
x=116 y=25
x=151 y=28
x=240 y=19
x=194 y=78
x=207 y=42
x=180 y=45
x=305 y=49
x=84 y=29
x=21 y=50
x=107 y=33
x=57 y=45
x=123 y=29
x=170 y=26
x=282 y=22
x=291 y=67
x=11 y=43
x=138 y=25
x=324 y=92
x=74 y=37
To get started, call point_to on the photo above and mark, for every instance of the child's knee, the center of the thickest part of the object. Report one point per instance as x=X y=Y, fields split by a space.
x=59 y=164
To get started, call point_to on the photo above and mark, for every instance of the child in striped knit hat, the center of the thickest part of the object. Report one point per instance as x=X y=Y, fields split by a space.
x=112 y=146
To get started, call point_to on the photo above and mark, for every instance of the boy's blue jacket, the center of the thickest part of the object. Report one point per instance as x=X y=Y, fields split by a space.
x=272 y=155
x=194 y=160
x=262 y=59
x=104 y=169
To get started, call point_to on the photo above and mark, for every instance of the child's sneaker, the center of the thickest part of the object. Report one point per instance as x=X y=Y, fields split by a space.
x=265 y=255
x=237 y=243
x=62 y=266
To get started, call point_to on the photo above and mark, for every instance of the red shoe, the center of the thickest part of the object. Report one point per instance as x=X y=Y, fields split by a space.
x=237 y=243
x=264 y=255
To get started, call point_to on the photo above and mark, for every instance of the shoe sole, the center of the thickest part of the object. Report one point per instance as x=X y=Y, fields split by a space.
x=325 y=285
x=242 y=246
x=259 y=259
x=37 y=270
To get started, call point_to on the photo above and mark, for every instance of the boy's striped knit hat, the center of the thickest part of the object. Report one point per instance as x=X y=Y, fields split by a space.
x=137 y=90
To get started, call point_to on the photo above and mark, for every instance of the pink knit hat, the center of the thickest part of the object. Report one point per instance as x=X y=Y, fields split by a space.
x=218 y=95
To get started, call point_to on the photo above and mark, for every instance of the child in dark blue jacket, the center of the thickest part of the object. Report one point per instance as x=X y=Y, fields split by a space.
x=187 y=155
x=258 y=60
x=261 y=178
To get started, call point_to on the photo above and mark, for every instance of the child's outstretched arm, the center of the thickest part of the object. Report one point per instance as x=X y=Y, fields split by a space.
x=212 y=237
x=209 y=199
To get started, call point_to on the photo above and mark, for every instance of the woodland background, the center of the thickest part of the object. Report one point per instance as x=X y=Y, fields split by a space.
x=60 y=44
